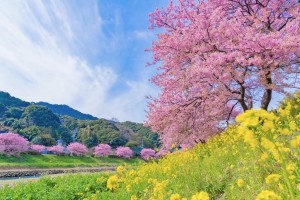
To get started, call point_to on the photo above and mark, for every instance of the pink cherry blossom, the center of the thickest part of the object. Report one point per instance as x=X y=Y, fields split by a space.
x=124 y=152
x=147 y=153
x=218 y=58
x=38 y=148
x=161 y=153
x=77 y=148
x=56 y=149
x=12 y=143
x=102 y=150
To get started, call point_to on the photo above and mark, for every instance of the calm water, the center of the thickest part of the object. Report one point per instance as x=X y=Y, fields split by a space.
x=20 y=177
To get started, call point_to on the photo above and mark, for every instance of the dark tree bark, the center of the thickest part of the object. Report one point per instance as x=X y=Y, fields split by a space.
x=267 y=94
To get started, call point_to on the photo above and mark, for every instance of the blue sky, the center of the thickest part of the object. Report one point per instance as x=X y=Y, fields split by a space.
x=86 y=54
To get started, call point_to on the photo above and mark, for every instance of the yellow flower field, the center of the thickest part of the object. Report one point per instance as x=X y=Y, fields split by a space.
x=258 y=158
x=255 y=158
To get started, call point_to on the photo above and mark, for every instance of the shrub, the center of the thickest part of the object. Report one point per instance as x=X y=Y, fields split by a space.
x=12 y=143
x=147 y=153
x=77 y=149
x=124 y=152
x=56 y=149
x=32 y=152
x=102 y=150
x=38 y=148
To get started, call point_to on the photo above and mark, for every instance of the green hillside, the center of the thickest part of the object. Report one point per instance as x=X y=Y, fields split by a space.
x=66 y=110
x=41 y=125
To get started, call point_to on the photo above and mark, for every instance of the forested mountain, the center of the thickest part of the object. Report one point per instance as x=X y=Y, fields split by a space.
x=66 y=110
x=44 y=123
x=9 y=101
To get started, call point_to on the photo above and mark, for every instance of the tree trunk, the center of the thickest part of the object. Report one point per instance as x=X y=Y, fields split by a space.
x=266 y=99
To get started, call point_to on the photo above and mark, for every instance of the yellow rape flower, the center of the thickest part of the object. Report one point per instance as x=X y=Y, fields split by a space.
x=285 y=131
x=268 y=125
x=201 y=196
x=291 y=167
x=293 y=125
x=280 y=186
x=267 y=144
x=292 y=177
x=275 y=153
x=113 y=182
x=133 y=197
x=128 y=188
x=250 y=139
x=295 y=142
x=120 y=169
x=159 y=189
x=175 y=197
x=264 y=156
x=272 y=178
x=240 y=182
x=137 y=180
x=267 y=195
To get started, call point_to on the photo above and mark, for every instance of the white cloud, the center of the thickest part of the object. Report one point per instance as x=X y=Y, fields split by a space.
x=37 y=65
x=43 y=48
x=143 y=35
x=131 y=105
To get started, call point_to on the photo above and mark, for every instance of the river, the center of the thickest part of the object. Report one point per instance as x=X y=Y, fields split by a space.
x=11 y=181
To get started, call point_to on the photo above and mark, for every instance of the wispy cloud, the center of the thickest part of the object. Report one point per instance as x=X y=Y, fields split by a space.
x=49 y=50
x=144 y=35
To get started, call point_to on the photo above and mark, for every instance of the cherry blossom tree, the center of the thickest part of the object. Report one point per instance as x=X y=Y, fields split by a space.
x=12 y=144
x=124 y=152
x=147 y=153
x=56 y=149
x=38 y=148
x=77 y=148
x=217 y=58
x=102 y=150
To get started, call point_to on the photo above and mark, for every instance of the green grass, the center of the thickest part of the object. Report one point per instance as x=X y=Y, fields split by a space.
x=72 y=186
x=52 y=161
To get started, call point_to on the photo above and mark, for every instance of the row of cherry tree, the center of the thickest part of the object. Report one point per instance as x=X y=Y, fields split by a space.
x=12 y=144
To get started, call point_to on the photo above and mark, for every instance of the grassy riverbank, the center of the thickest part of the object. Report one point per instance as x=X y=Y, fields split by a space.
x=52 y=161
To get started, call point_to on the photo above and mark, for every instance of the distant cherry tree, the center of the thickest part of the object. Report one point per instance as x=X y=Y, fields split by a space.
x=218 y=58
x=124 y=152
x=147 y=153
x=77 y=149
x=12 y=144
x=102 y=150
x=38 y=148
x=56 y=149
